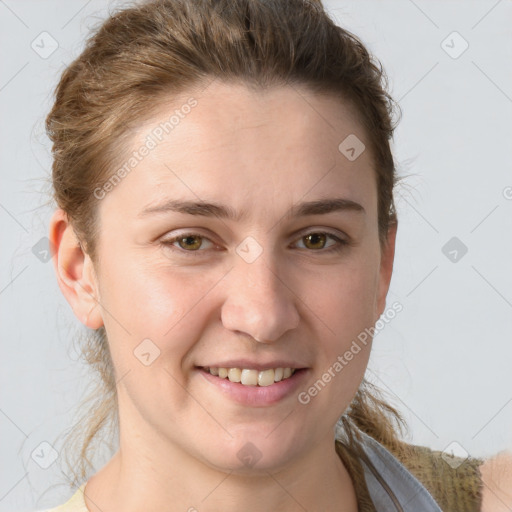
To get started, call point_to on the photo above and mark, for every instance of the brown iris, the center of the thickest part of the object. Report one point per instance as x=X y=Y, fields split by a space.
x=187 y=242
x=316 y=240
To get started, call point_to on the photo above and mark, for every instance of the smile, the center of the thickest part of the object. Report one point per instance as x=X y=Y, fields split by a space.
x=251 y=377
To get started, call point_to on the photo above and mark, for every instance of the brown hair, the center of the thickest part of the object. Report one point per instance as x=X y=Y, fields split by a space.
x=158 y=49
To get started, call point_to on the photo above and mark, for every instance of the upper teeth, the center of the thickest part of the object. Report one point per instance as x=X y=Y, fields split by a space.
x=253 y=377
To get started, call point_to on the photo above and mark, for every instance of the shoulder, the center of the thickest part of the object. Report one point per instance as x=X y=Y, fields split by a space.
x=391 y=482
x=454 y=482
x=74 y=504
x=481 y=485
x=497 y=479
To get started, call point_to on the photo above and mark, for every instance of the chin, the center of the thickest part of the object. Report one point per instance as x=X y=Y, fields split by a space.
x=251 y=454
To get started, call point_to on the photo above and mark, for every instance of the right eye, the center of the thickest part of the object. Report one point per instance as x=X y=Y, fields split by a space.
x=189 y=242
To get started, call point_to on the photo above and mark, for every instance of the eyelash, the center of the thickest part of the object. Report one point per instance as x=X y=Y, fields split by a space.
x=338 y=247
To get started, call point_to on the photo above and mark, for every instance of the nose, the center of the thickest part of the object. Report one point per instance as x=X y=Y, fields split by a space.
x=260 y=302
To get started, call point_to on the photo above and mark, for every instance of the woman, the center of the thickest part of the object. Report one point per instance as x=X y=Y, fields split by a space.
x=226 y=226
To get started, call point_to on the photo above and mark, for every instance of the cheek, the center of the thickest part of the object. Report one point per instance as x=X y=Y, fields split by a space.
x=156 y=315
x=342 y=305
x=342 y=311
x=343 y=299
x=147 y=300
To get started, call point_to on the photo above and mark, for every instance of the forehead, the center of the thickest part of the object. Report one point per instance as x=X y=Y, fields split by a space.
x=232 y=142
x=231 y=116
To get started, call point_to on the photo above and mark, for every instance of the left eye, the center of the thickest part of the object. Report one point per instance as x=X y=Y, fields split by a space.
x=317 y=241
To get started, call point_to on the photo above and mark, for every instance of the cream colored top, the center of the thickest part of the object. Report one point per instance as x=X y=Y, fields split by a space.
x=75 y=504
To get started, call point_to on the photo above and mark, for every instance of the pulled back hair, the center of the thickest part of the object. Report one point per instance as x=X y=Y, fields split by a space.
x=144 y=55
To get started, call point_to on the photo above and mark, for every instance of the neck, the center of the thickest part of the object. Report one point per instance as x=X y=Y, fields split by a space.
x=130 y=486
x=158 y=475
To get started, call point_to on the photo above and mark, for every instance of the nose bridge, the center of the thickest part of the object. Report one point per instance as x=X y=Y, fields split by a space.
x=259 y=303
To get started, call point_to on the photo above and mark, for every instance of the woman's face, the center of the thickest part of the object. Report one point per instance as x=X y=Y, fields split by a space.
x=245 y=238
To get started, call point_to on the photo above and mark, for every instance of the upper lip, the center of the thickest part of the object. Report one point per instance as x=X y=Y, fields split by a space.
x=255 y=365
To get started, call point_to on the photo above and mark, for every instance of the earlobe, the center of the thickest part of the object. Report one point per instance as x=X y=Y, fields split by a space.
x=75 y=272
x=386 y=268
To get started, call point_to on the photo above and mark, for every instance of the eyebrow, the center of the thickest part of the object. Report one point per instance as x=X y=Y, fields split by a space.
x=209 y=209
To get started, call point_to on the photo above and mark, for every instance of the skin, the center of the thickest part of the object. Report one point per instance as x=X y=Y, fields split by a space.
x=496 y=473
x=260 y=154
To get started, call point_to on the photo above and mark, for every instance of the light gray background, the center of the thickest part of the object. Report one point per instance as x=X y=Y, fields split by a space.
x=445 y=359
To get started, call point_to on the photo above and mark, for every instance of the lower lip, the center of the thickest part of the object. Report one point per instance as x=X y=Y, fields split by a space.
x=257 y=396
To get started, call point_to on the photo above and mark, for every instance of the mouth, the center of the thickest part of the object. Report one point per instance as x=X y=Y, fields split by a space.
x=251 y=376
x=255 y=387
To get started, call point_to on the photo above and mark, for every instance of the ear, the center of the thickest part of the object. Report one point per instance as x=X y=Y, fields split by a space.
x=386 y=268
x=75 y=272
